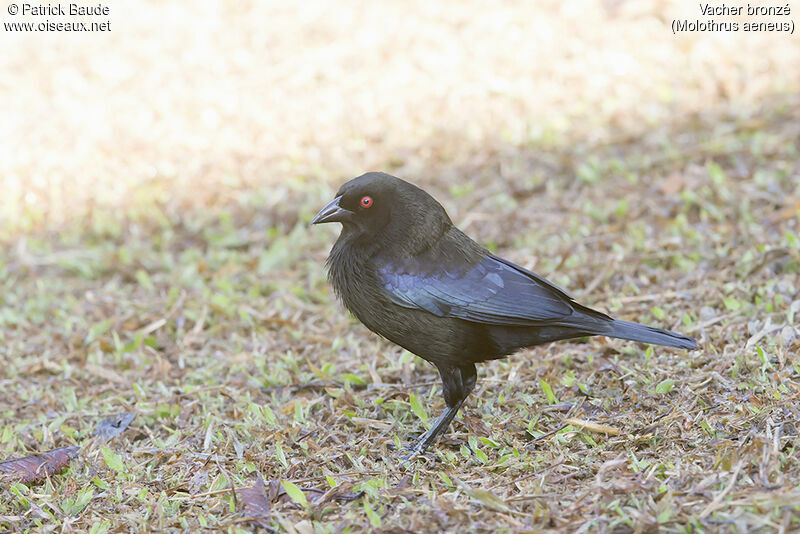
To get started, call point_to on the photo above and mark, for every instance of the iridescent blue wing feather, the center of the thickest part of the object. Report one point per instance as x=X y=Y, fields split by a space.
x=493 y=291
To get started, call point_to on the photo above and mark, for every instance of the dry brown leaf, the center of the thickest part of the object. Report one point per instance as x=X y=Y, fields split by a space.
x=45 y=365
x=102 y=372
x=319 y=373
x=255 y=500
x=593 y=427
x=38 y=467
x=485 y=497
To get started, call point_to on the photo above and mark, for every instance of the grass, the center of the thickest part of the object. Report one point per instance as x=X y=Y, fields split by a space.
x=190 y=291
x=220 y=332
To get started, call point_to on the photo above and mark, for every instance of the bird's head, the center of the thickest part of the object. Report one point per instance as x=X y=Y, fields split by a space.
x=377 y=205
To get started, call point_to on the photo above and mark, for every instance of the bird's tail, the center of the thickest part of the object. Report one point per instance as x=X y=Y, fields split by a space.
x=648 y=334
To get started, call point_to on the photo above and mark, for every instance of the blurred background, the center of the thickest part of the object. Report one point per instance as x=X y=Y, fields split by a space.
x=156 y=184
x=203 y=100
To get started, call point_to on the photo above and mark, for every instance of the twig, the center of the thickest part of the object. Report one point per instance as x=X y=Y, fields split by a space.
x=653 y=296
x=544 y=436
x=713 y=505
x=698 y=327
x=208 y=493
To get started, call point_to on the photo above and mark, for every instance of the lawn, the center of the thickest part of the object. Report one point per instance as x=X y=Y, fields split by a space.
x=157 y=261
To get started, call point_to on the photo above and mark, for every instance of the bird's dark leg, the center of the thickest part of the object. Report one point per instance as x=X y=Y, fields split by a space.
x=458 y=383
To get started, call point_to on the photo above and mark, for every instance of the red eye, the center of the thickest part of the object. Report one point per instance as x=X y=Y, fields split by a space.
x=366 y=202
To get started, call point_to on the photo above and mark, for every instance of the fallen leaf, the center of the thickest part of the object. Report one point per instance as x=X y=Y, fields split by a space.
x=280 y=494
x=102 y=372
x=108 y=429
x=296 y=493
x=304 y=527
x=274 y=490
x=255 y=500
x=38 y=467
x=43 y=365
x=319 y=373
x=485 y=497
x=489 y=499
x=593 y=427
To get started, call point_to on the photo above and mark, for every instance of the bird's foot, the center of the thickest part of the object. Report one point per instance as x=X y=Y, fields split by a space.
x=437 y=428
x=417 y=448
x=414 y=450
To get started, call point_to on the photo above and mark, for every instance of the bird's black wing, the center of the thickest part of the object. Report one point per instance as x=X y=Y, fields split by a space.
x=492 y=291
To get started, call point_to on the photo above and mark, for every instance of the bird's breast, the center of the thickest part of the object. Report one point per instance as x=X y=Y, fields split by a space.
x=353 y=278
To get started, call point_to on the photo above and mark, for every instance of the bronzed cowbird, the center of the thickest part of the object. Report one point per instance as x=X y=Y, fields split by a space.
x=402 y=268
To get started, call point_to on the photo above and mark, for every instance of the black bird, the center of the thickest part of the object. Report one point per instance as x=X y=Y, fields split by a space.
x=408 y=274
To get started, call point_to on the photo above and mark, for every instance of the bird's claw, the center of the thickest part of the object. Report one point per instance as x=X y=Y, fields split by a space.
x=416 y=449
x=412 y=452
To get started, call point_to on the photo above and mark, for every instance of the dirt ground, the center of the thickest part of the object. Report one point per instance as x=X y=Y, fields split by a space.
x=157 y=184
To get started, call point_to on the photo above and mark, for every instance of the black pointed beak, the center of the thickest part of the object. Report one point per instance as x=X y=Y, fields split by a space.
x=333 y=212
